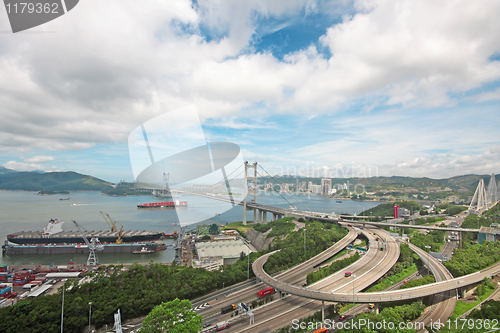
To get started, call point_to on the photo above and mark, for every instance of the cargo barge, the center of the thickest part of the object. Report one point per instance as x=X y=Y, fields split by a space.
x=78 y=248
x=164 y=204
x=53 y=234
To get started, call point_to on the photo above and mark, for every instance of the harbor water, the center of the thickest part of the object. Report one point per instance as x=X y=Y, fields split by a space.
x=21 y=210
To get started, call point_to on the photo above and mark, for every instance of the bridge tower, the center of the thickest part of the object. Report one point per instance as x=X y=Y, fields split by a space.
x=247 y=191
x=479 y=200
x=492 y=191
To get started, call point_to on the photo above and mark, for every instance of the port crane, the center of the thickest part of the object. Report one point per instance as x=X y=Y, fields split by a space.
x=92 y=245
x=112 y=226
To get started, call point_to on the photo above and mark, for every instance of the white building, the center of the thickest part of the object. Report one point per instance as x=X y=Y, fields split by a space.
x=209 y=263
x=229 y=250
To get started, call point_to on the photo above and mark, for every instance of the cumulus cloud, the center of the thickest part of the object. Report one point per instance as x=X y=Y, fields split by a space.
x=21 y=166
x=111 y=65
x=38 y=159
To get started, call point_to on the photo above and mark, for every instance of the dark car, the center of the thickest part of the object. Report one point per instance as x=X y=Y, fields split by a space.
x=304 y=284
x=206 y=325
x=342 y=317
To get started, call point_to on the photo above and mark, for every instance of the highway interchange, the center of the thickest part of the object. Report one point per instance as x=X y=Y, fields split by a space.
x=366 y=270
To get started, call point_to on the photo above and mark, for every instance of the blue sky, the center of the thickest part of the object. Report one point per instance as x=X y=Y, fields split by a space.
x=325 y=87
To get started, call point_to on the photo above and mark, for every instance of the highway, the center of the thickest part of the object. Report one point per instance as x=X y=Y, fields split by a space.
x=293 y=275
x=365 y=271
x=444 y=302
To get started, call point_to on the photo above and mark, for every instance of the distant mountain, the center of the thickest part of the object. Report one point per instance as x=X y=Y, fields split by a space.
x=5 y=170
x=51 y=181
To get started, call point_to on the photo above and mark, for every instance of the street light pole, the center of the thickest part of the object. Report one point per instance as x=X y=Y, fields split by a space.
x=62 y=308
x=90 y=314
x=304 y=242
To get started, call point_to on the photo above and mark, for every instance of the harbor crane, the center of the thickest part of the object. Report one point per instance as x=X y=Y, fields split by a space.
x=112 y=226
x=92 y=245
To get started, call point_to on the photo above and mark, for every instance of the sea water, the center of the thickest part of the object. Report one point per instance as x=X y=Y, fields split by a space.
x=24 y=211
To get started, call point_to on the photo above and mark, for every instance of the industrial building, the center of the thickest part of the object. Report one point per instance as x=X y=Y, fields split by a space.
x=209 y=263
x=229 y=250
x=489 y=234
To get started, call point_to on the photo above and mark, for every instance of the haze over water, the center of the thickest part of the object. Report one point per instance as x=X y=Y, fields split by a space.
x=24 y=211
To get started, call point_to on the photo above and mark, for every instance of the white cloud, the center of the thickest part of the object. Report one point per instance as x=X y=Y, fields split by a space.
x=488 y=96
x=38 y=159
x=21 y=166
x=111 y=65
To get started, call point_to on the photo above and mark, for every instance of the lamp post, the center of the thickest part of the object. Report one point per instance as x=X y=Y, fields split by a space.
x=90 y=314
x=353 y=276
x=62 y=308
x=304 y=242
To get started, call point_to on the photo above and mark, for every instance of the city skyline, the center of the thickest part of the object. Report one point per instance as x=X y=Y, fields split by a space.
x=377 y=88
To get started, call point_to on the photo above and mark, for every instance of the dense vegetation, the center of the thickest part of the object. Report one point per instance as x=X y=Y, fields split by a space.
x=317 y=239
x=473 y=257
x=122 y=191
x=139 y=289
x=406 y=265
x=334 y=267
x=54 y=181
x=489 y=310
x=419 y=282
x=434 y=239
x=395 y=314
x=175 y=316
x=387 y=209
x=135 y=292
x=280 y=227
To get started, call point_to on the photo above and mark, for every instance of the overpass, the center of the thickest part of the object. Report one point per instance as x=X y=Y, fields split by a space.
x=376 y=297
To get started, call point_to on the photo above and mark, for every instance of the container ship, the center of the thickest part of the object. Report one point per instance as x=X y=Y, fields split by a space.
x=150 y=247
x=54 y=235
x=164 y=204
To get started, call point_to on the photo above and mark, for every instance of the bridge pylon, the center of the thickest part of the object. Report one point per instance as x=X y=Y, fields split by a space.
x=485 y=198
x=247 y=191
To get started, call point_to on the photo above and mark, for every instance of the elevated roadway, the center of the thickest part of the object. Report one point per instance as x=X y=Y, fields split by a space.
x=366 y=270
x=290 y=276
x=374 y=297
x=444 y=302
x=319 y=215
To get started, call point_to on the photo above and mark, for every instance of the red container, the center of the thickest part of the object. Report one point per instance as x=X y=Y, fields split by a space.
x=265 y=292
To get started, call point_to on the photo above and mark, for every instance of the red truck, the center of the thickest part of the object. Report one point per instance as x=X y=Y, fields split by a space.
x=265 y=292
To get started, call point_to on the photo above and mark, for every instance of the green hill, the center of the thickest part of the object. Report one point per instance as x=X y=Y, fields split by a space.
x=51 y=181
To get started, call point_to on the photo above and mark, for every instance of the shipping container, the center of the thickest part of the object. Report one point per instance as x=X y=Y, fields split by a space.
x=5 y=291
x=265 y=292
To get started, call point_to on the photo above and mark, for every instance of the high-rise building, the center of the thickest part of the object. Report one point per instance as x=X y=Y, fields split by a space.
x=301 y=187
x=310 y=186
x=316 y=189
x=326 y=186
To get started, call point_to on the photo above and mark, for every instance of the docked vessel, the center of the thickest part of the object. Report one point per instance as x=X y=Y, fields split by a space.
x=78 y=248
x=164 y=204
x=144 y=250
x=54 y=235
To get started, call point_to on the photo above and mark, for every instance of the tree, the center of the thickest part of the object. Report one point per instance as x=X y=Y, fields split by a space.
x=206 y=237
x=214 y=229
x=174 y=317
